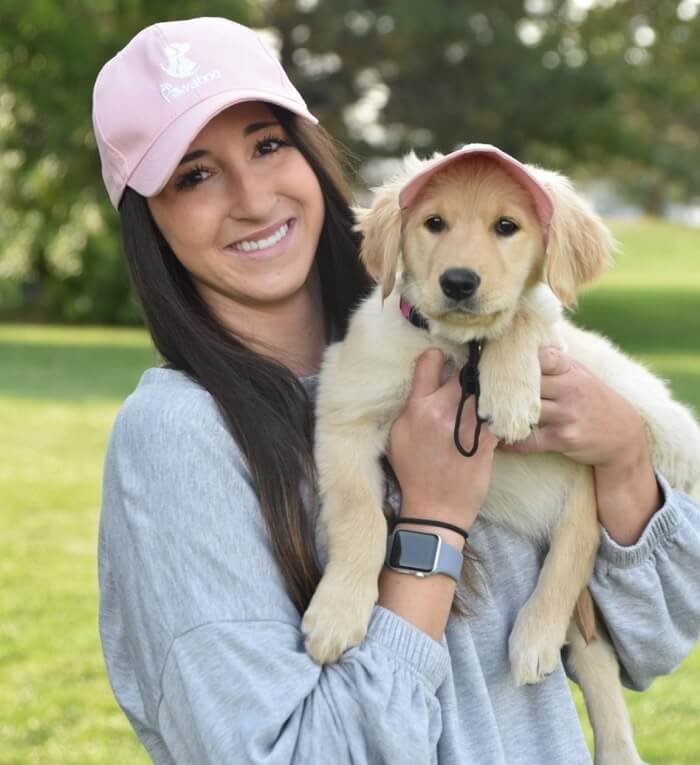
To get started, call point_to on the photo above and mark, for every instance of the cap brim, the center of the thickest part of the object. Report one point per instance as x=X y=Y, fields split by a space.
x=540 y=197
x=163 y=156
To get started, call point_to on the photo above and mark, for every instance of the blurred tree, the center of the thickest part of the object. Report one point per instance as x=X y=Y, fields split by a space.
x=650 y=50
x=59 y=246
x=611 y=86
x=439 y=74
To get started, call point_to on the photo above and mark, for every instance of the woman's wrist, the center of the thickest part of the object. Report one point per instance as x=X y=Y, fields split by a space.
x=628 y=494
x=449 y=536
x=425 y=602
x=461 y=517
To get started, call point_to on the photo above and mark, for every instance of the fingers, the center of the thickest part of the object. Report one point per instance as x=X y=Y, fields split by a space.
x=553 y=361
x=547 y=436
x=540 y=440
x=551 y=413
x=554 y=366
x=426 y=376
x=487 y=439
x=428 y=380
x=467 y=424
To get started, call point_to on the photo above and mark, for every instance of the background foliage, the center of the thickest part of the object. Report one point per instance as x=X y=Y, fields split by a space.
x=608 y=87
x=59 y=245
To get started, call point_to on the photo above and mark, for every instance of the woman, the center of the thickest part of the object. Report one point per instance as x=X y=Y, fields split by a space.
x=238 y=238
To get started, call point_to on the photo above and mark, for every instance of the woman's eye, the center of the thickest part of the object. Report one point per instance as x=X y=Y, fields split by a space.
x=192 y=178
x=505 y=227
x=269 y=145
x=435 y=224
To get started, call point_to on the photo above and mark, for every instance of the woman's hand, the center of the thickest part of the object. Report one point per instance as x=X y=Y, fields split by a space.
x=436 y=481
x=589 y=422
x=582 y=417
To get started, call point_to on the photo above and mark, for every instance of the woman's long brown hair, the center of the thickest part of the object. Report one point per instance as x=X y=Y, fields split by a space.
x=264 y=405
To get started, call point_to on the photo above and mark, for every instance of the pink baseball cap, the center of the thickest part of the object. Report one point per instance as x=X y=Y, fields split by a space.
x=157 y=93
x=540 y=196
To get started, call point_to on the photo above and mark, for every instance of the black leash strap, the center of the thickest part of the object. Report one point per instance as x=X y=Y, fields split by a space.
x=469 y=380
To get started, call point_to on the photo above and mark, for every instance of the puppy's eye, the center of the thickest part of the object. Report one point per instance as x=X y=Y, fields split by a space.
x=505 y=227
x=435 y=224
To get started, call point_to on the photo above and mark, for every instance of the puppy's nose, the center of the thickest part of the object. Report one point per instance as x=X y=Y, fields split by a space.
x=459 y=283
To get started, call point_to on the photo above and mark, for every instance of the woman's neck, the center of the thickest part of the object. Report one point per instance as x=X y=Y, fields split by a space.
x=292 y=331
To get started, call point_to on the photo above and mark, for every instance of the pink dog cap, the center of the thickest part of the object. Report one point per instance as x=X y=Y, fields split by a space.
x=540 y=196
x=154 y=96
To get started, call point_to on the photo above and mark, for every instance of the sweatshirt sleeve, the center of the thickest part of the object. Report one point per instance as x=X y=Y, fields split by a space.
x=649 y=593
x=216 y=641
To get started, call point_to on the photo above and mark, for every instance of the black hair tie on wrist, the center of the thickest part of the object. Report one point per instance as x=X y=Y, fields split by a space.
x=440 y=524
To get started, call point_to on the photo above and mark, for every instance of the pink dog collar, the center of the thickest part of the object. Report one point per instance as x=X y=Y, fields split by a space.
x=411 y=313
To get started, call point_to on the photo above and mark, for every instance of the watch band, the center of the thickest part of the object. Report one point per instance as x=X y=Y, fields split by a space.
x=422 y=554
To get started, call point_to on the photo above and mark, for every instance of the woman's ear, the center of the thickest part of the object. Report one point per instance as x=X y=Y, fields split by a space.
x=580 y=244
x=380 y=226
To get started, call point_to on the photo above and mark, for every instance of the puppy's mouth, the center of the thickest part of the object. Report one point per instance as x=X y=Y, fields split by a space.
x=469 y=311
x=463 y=316
x=474 y=312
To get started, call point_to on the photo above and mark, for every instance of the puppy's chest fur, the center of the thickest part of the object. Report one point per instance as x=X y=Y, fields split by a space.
x=368 y=376
x=365 y=381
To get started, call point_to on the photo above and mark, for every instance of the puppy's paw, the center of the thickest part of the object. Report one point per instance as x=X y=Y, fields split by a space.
x=511 y=410
x=337 y=617
x=534 y=647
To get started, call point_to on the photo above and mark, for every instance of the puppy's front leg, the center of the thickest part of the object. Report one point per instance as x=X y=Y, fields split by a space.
x=351 y=484
x=540 y=629
x=509 y=369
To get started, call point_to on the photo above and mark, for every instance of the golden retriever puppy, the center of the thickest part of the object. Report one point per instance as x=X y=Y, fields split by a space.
x=485 y=248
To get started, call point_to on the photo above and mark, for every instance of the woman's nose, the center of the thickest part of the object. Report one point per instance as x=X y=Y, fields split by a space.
x=252 y=196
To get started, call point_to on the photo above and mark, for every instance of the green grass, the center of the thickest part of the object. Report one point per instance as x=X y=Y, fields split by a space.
x=649 y=302
x=59 y=392
x=655 y=254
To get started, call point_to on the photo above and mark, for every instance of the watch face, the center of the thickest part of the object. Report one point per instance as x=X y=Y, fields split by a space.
x=414 y=551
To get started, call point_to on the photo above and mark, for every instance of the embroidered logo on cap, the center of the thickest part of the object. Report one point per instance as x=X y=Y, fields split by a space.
x=179 y=65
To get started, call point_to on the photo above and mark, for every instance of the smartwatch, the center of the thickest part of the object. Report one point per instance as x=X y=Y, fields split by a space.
x=422 y=554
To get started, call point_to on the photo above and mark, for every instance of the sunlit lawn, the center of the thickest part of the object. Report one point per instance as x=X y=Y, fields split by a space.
x=650 y=304
x=59 y=391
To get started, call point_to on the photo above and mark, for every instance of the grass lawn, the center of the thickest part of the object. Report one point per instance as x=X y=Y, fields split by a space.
x=649 y=303
x=59 y=391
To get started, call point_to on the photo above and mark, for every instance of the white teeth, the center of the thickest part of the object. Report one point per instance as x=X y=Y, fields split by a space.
x=262 y=244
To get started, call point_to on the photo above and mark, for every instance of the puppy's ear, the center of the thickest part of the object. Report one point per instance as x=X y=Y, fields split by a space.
x=580 y=244
x=381 y=231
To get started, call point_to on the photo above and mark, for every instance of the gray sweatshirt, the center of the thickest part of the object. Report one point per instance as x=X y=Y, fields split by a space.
x=204 y=649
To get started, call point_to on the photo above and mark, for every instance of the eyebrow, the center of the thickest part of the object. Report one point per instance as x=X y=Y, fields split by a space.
x=248 y=130
x=255 y=126
x=193 y=155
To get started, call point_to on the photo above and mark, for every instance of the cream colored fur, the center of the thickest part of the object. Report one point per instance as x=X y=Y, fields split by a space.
x=365 y=380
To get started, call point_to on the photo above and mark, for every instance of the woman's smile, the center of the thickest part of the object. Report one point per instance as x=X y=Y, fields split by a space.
x=267 y=242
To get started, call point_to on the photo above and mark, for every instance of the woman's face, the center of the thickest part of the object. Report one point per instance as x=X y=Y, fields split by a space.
x=243 y=210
